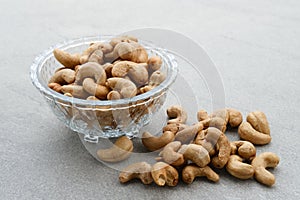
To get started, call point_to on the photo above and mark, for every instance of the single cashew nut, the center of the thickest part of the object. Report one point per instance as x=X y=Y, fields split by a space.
x=121 y=150
x=244 y=149
x=247 y=132
x=170 y=155
x=190 y=172
x=188 y=134
x=75 y=91
x=176 y=114
x=259 y=122
x=174 y=128
x=140 y=170
x=91 y=70
x=136 y=71
x=108 y=68
x=216 y=122
x=235 y=117
x=55 y=86
x=221 y=113
x=153 y=143
x=260 y=163
x=93 y=88
x=202 y=115
x=164 y=174
x=155 y=79
x=125 y=87
x=195 y=153
x=238 y=169
x=66 y=59
x=154 y=63
x=63 y=76
x=94 y=53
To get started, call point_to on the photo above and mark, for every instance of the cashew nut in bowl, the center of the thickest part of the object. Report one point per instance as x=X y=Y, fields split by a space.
x=95 y=52
x=55 y=86
x=259 y=122
x=95 y=89
x=244 y=149
x=154 y=63
x=121 y=150
x=155 y=79
x=140 y=170
x=136 y=71
x=92 y=98
x=125 y=87
x=260 y=163
x=170 y=155
x=75 y=90
x=91 y=70
x=113 y=95
x=153 y=143
x=190 y=172
x=195 y=153
x=176 y=114
x=63 y=76
x=247 y=132
x=238 y=169
x=164 y=174
x=66 y=59
x=123 y=38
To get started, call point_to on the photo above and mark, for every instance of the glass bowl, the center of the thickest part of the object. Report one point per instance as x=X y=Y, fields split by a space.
x=105 y=118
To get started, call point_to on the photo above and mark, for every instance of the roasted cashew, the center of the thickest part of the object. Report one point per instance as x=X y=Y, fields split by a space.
x=155 y=79
x=140 y=170
x=216 y=122
x=202 y=115
x=174 y=128
x=195 y=153
x=208 y=143
x=95 y=52
x=244 y=149
x=154 y=63
x=164 y=174
x=260 y=163
x=125 y=87
x=238 y=169
x=121 y=150
x=136 y=71
x=153 y=143
x=95 y=89
x=247 y=132
x=176 y=114
x=259 y=122
x=113 y=95
x=91 y=70
x=124 y=38
x=170 y=155
x=66 y=59
x=190 y=172
x=63 y=76
x=55 y=86
x=221 y=113
x=108 y=67
x=75 y=91
x=188 y=134
x=235 y=117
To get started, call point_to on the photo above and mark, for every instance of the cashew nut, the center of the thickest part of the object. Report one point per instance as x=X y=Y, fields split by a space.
x=195 y=153
x=125 y=87
x=55 y=86
x=155 y=79
x=153 y=143
x=95 y=52
x=221 y=113
x=136 y=71
x=121 y=150
x=140 y=170
x=113 y=95
x=216 y=122
x=92 y=98
x=93 y=88
x=174 y=128
x=235 y=117
x=176 y=114
x=63 y=76
x=247 y=132
x=170 y=155
x=202 y=115
x=66 y=59
x=108 y=67
x=190 y=172
x=244 y=149
x=124 y=38
x=260 y=163
x=154 y=63
x=75 y=91
x=259 y=122
x=188 y=134
x=207 y=141
x=238 y=169
x=91 y=70
x=164 y=174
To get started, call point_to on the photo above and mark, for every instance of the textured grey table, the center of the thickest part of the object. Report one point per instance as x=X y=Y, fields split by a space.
x=255 y=45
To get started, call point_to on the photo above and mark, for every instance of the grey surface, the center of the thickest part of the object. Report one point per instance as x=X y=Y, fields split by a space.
x=255 y=45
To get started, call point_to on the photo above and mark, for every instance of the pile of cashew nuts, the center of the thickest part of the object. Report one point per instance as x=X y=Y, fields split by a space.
x=107 y=71
x=195 y=150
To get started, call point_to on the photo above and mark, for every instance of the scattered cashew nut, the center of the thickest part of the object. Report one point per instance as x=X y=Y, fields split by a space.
x=153 y=143
x=170 y=154
x=140 y=170
x=190 y=172
x=164 y=174
x=244 y=149
x=176 y=114
x=195 y=153
x=247 y=132
x=259 y=122
x=238 y=169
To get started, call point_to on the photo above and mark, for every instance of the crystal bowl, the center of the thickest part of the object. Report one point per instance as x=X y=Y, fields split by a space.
x=105 y=118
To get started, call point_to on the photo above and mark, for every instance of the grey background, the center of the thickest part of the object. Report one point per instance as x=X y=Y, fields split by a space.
x=254 y=44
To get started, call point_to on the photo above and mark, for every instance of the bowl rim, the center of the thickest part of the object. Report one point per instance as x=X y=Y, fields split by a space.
x=39 y=61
